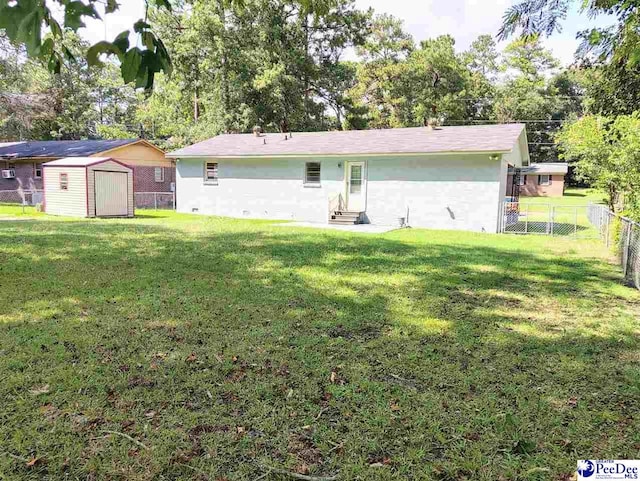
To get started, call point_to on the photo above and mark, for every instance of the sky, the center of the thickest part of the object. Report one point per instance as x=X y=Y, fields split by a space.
x=465 y=20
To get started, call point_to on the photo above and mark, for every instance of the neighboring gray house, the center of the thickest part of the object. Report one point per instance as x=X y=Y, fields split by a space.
x=443 y=178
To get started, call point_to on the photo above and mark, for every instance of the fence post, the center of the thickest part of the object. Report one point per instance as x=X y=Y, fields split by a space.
x=552 y=214
x=575 y=224
x=155 y=201
x=526 y=220
x=626 y=248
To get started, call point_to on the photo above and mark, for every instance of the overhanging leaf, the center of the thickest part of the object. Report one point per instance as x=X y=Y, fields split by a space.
x=121 y=42
x=164 y=4
x=131 y=64
x=94 y=52
x=140 y=26
x=74 y=11
x=112 y=6
x=148 y=40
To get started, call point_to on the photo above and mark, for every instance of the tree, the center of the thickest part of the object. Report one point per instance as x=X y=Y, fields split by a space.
x=620 y=43
x=386 y=41
x=529 y=59
x=483 y=57
x=26 y=22
x=533 y=92
x=606 y=153
x=430 y=83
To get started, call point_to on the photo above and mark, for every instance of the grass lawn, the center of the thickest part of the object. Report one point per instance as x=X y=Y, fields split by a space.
x=180 y=347
x=572 y=196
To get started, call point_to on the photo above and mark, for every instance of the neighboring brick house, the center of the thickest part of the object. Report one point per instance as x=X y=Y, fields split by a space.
x=543 y=180
x=23 y=163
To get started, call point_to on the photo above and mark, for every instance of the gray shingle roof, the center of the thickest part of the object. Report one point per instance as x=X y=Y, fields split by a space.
x=60 y=148
x=480 y=138
x=547 y=168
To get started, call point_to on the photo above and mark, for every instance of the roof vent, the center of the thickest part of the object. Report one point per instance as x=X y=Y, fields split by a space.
x=257 y=130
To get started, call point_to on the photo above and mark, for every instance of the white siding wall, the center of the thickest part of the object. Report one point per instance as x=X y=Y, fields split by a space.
x=258 y=188
x=441 y=192
x=72 y=202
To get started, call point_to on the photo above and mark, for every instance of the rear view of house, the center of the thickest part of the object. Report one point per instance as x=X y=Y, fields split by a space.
x=88 y=187
x=445 y=178
x=21 y=165
x=543 y=180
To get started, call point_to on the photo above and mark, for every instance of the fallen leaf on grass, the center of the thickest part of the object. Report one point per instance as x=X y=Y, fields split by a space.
x=192 y=357
x=302 y=469
x=37 y=390
x=36 y=461
x=394 y=406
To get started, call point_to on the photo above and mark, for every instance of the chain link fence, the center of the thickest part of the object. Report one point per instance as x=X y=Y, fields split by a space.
x=155 y=200
x=547 y=219
x=623 y=236
x=593 y=221
x=20 y=197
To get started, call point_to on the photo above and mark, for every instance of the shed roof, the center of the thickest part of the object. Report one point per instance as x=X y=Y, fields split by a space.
x=59 y=148
x=547 y=168
x=478 y=138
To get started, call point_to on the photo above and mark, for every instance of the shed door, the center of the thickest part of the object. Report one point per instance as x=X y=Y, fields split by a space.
x=111 y=193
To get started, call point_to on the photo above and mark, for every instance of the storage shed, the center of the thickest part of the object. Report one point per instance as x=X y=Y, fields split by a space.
x=88 y=187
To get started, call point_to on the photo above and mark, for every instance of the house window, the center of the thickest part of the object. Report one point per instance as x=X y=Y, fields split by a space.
x=312 y=173
x=37 y=171
x=211 y=172
x=64 y=181
x=158 y=174
x=544 y=180
x=522 y=180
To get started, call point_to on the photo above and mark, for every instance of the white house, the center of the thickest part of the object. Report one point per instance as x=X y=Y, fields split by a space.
x=442 y=178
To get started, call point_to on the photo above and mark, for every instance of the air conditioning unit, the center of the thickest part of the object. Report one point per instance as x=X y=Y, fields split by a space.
x=9 y=174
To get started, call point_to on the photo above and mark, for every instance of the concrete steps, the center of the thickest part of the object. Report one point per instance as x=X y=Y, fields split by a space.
x=345 y=217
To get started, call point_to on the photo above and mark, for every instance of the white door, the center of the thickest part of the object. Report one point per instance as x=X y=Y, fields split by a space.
x=111 y=193
x=356 y=186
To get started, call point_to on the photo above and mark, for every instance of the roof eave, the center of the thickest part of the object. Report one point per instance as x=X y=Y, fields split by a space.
x=177 y=155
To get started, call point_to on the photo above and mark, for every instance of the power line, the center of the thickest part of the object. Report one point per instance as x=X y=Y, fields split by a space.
x=507 y=122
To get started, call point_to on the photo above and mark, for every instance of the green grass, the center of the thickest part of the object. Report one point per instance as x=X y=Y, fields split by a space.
x=572 y=196
x=17 y=210
x=224 y=346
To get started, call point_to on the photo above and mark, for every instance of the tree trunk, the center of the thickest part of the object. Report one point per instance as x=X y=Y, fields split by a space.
x=196 y=105
x=225 y=62
x=307 y=82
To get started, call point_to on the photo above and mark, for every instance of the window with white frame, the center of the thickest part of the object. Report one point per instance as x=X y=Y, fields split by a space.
x=211 y=172
x=312 y=173
x=544 y=179
x=158 y=174
x=522 y=180
x=37 y=171
x=64 y=181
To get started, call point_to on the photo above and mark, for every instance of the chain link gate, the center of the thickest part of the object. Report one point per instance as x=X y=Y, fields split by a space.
x=547 y=219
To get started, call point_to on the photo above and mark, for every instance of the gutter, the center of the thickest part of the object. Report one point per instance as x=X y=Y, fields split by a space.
x=342 y=155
